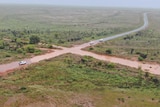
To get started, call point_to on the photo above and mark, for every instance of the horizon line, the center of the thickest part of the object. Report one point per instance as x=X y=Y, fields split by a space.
x=91 y=6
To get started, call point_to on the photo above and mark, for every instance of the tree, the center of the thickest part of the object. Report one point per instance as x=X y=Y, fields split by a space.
x=30 y=49
x=132 y=50
x=34 y=39
x=56 y=35
x=19 y=43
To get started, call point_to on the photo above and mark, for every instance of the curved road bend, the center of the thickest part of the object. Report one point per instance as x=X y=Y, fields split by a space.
x=145 y=25
x=152 y=68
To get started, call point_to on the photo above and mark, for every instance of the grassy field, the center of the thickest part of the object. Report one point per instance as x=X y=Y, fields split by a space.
x=67 y=18
x=143 y=45
x=53 y=24
x=74 y=81
x=71 y=80
x=65 y=26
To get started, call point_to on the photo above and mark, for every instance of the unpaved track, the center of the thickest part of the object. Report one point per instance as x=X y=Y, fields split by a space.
x=152 y=68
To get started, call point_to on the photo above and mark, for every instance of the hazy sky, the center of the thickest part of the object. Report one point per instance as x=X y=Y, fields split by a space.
x=111 y=3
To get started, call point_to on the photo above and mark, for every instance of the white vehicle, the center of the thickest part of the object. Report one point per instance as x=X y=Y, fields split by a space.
x=101 y=40
x=22 y=62
x=91 y=43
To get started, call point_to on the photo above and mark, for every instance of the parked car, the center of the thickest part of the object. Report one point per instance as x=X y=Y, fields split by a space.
x=22 y=62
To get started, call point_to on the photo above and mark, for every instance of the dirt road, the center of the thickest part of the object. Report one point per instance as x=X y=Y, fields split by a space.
x=152 y=68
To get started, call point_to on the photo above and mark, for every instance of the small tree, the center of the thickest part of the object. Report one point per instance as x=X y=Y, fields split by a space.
x=30 y=49
x=20 y=50
x=34 y=39
x=56 y=35
x=146 y=75
x=132 y=50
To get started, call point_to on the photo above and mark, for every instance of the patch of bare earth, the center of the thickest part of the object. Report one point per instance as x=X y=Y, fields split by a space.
x=22 y=101
x=40 y=104
x=15 y=100
x=82 y=101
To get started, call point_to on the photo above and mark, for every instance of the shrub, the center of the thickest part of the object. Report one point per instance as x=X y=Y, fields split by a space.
x=61 y=41
x=99 y=63
x=7 y=55
x=155 y=80
x=34 y=39
x=1 y=47
x=152 y=58
x=138 y=53
x=86 y=60
x=24 y=53
x=111 y=65
x=30 y=49
x=23 y=88
x=19 y=50
x=50 y=46
x=108 y=51
x=144 y=56
x=132 y=50
x=91 y=48
x=121 y=99
x=140 y=58
x=146 y=75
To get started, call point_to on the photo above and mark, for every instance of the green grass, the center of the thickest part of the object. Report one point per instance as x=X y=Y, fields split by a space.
x=71 y=76
x=65 y=26
x=66 y=18
x=134 y=45
x=70 y=80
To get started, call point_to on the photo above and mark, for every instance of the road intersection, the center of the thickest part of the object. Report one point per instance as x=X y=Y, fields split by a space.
x=152 y=68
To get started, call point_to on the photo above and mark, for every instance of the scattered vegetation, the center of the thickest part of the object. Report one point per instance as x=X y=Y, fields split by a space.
x=143 y=45
x=69 y=76
x=43 y=26
x=72 y=80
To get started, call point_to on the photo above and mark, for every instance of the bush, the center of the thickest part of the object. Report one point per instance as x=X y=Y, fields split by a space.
x=61 y=41
x=34 y=39
x=155 y=80
x=7 y=55
x=86 y=59
x=1 y=47
x=152 y=58
x=144 y=56
x=138 y=53
x=23 y=88
x=111 y=65
x=50 y=46
x=91 y=48
x=20 y=50
x=140 y=58
x=30 y=49
x=108 y=51
x=37 y=52
x=99 y=63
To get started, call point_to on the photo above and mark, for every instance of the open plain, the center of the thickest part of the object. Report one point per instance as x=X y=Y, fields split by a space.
x=61 y=73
